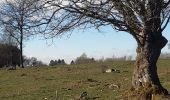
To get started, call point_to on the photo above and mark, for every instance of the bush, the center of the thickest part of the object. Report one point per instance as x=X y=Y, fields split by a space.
x=9 y=55
x=84 y=59
x=57 y=62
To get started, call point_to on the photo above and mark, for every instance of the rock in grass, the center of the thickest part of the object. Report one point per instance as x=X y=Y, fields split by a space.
x=113 y=86
x=83 y=96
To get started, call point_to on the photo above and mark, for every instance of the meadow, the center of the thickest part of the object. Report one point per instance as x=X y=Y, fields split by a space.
x=41 y=83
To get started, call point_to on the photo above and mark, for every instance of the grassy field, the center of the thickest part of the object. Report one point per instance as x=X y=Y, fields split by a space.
x=41 y=83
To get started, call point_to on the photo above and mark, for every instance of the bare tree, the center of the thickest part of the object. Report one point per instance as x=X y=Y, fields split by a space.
x=18 y=18
x=145 y=20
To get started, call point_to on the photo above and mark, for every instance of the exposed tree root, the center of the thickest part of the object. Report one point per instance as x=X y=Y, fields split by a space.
x=147 y=93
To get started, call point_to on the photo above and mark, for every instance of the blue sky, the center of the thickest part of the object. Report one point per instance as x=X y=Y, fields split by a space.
x=95 y=44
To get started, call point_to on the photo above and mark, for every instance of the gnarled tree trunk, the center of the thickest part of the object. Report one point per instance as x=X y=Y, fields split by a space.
x=145 y=72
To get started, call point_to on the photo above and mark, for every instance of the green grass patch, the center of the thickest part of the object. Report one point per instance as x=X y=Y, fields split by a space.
x=70 y=81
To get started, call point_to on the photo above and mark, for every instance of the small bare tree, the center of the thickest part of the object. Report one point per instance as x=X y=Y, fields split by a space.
x=145 y=20
x=18 y=18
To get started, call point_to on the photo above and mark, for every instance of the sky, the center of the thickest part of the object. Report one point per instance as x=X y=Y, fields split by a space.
x=103 y=44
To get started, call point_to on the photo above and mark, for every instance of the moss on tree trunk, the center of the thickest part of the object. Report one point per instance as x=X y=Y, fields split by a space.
x=145 y=80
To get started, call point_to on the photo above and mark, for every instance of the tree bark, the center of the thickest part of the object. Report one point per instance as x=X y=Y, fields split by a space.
x=145 y=71
x=21 y=56
x=21 y=50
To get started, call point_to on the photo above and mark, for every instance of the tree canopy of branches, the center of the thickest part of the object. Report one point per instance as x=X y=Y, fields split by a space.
x=145 y=20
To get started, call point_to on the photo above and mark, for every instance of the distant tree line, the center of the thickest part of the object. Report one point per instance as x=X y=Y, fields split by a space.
x=32 y=61
x=9 y=55
x=121 y=58
x=57 y=62
x=165 y=55
x=84 y=59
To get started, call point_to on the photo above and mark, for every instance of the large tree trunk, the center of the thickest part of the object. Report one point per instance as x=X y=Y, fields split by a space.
x=145 y=72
